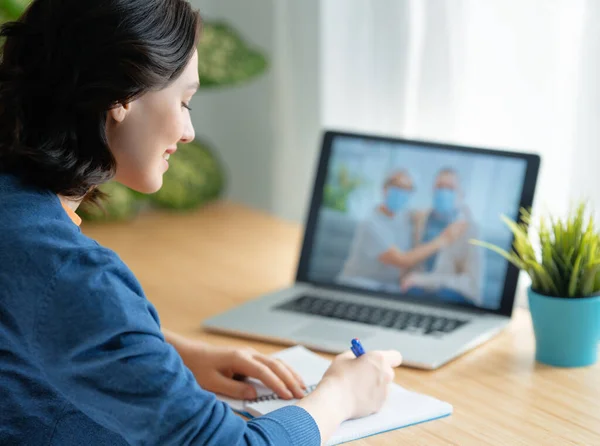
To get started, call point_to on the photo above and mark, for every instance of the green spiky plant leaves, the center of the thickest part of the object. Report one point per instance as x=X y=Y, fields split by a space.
x=567 y=261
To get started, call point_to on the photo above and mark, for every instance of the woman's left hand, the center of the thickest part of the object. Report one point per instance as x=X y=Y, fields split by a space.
x=215 y=368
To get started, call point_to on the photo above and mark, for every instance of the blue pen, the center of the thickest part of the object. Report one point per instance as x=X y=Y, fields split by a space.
x=357 y=348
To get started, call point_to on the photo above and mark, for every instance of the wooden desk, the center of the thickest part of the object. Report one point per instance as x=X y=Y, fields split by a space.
x=198 y=265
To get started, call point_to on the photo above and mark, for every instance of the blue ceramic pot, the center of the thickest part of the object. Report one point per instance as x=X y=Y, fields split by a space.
x=567 y=330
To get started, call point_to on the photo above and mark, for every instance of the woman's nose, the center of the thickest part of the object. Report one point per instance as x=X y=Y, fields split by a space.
x=189 y=134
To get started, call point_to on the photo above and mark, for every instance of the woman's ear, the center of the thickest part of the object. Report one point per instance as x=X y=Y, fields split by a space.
x=119 y=112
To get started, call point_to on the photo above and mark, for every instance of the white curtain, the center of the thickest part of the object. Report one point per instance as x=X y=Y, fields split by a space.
x=510 y=74
x=585 y=180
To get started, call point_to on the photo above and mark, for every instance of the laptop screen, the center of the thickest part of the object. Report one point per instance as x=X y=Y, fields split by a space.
x=399 y=217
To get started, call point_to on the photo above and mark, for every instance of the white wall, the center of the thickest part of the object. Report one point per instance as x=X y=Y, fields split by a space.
x=238 y=120
x=265 y=131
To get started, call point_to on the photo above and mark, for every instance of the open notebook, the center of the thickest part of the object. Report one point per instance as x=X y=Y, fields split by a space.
x=403 y=408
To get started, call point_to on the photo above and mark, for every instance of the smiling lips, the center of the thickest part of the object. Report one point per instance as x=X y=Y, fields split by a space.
x=169 y=152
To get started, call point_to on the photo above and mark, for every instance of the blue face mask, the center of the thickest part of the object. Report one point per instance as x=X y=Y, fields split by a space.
x=396 y=198
x=444 y=201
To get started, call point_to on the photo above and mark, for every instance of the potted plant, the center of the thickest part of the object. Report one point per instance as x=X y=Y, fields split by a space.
x=562 y=258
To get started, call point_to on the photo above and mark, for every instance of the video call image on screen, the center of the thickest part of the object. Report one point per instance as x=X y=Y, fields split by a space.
x=399 y=218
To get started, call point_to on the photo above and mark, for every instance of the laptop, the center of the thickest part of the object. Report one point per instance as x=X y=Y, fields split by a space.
x=388 y=253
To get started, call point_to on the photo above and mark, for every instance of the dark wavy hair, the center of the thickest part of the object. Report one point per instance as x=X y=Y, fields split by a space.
x=65 y=64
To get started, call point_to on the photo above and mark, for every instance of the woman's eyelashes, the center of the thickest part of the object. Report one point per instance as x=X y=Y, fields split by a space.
x=186 y=106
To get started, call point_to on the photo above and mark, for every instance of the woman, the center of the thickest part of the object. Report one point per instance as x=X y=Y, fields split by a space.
x=91 y=91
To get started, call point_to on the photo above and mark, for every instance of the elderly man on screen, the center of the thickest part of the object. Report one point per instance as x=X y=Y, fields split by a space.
x=454 y=273
x=386 y=227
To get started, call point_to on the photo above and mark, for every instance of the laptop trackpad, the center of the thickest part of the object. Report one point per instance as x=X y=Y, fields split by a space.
x=322 y=331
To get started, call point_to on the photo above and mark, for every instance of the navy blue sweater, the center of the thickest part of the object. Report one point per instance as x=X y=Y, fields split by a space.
x=82 y=357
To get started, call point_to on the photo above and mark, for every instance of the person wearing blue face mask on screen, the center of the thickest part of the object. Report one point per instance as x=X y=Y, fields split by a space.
x=454 y=274
x=382 y=251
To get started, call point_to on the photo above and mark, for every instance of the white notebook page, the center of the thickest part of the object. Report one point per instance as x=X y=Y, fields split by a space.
x=402 y=408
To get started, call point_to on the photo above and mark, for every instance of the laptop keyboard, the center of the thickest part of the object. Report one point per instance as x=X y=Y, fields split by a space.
x=407 y=321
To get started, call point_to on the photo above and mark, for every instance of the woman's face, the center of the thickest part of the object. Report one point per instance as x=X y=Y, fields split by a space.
x=143 y=134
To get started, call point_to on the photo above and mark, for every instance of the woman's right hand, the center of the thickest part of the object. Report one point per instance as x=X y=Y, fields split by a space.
x=453 y=232
x=351 y=388
x=365 y=380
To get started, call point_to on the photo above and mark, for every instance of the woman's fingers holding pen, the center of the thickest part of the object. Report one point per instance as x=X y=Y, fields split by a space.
x=347 y=354
x=392 y=358
x=365 y=380
x=384 y=361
